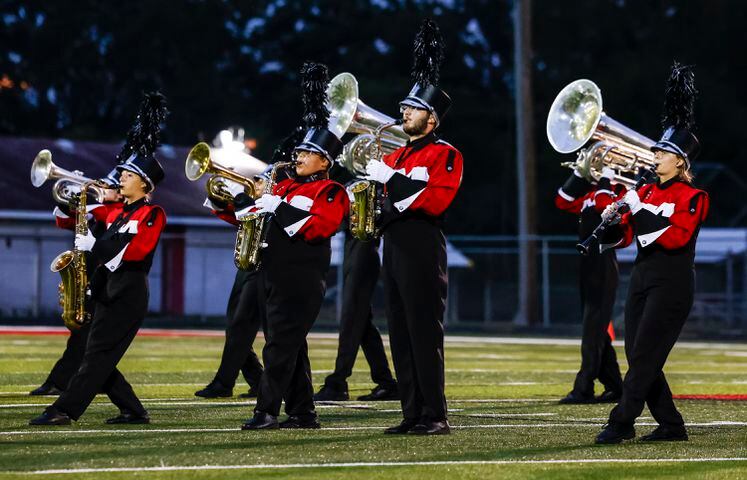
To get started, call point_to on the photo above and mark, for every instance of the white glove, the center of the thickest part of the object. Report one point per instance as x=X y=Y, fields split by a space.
x=234 y=188
x=611 y=215
x=633 y=201
x=268 y=203
x=608 y=173
x=378 y=171
x=84 y=243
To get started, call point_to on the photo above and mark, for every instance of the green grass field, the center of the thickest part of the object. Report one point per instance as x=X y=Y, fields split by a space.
x=502 y=399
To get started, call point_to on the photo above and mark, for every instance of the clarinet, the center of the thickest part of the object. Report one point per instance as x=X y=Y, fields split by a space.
x=593 y=239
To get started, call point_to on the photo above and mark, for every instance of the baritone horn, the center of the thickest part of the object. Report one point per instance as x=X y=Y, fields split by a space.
x=576 y=119
x=199 y=162
x=68 y=184
x=349 y=114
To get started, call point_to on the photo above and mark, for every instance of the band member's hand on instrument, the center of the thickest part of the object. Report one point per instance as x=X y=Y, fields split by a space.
x=611 y=215
x=633 y=201
x=608 y=173
x=234 y=188
x=378 y=171
x=268 y=203
x=85 y=242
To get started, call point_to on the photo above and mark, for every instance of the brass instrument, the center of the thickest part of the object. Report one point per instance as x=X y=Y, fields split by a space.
x=378 y=134
x=199 y=162
x=367 y=197
x=576 y=117
x=71 y=265
x=250 y=237
x=65 y=189
x=349 y=114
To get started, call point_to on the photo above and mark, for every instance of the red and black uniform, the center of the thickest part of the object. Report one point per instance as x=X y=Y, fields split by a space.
x=291 y=284
x=119 y=288
x=243 y=321
x=71 y=358
x=598 y=279
x=660 y=295
x=428 y=175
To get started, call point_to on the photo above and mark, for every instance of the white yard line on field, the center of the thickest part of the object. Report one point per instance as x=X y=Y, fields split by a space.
x=583 y=424
x=270 y=466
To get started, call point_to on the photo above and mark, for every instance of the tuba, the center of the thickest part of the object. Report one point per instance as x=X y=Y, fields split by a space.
x=576 y=118
x=199 y=162
x=71 y=265
x=68 y=184
x=378 y=134
x=252 y=233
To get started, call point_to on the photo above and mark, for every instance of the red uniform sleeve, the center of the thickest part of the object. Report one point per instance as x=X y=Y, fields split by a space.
x=571 y=206
x=689 y=212
x=149 y=230
x=327 y=212
x=432 y=192
x=228 y=215
x=607 y=194
x=63 y=219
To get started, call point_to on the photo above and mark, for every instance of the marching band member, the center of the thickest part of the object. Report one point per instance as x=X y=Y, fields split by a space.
x=421 y=179
x=64 y=369
x=306 y=211
x=120 y=286
x=665 y=217
x=597 y=284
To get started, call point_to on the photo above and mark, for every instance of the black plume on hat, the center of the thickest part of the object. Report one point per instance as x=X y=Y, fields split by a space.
x=145 y=134
x=428 y=54
x=315 y=77
x=284 y=151
x=679 y=98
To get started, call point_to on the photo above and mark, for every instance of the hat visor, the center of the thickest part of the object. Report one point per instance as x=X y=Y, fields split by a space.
x=130 y=167
x=671 y=148
x=415 y=102
x=314 y=148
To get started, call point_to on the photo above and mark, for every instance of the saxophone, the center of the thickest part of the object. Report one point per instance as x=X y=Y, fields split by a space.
x=71 y=265
x=365 y=207
x=250 y=237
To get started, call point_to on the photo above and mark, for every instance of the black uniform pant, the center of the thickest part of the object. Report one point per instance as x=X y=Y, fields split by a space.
x=658 y=303
x=243 y=322
x=361 y=266
x=415 y=282
x=71 y=358
x=291 y=297
x=119 y=312
x=598 y=285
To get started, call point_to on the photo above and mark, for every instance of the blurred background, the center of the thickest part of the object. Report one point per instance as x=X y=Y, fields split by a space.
x=72 y=74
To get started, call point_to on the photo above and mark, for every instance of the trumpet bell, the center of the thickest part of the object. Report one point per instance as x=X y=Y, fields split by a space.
x=198 y=161
x=41 y=168
x=574 y=116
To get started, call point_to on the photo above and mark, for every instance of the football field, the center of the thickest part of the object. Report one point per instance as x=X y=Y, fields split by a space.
x=506 y=422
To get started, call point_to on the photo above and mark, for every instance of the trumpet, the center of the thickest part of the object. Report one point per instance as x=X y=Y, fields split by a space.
x=199 y=162
x=68 y=184
x=576 y=117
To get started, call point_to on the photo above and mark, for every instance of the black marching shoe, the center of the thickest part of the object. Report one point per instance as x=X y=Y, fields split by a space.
x=404 y=427
x=427 y=426
x=380 y=393
x=666 y=434
x=301 y=421
x=252 y=393
x=261 y=421
x=128 y=418
x=329 y=394
x=51 y=416
x=576 y=399
x=214 y=389
x=46 y=388
x=609 y=396
x=615 y=433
